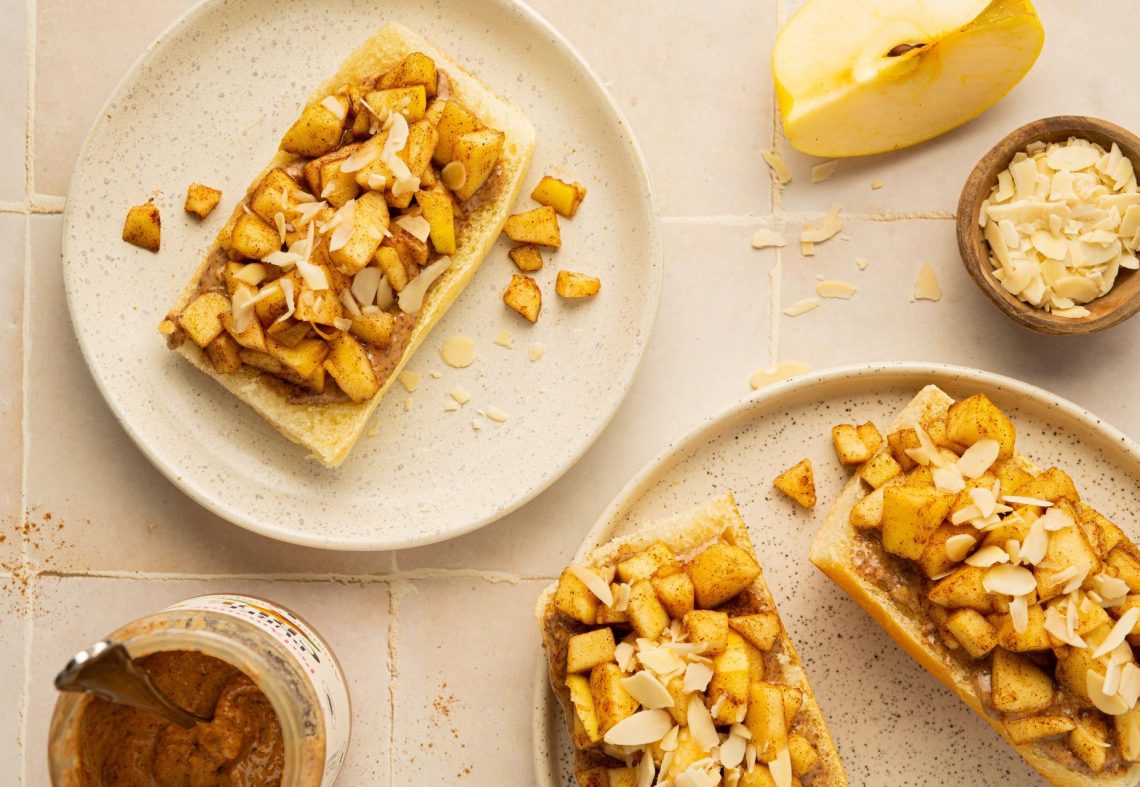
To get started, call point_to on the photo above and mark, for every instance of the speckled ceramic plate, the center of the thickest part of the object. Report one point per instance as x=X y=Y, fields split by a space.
x=893 y=722
x=208 y=102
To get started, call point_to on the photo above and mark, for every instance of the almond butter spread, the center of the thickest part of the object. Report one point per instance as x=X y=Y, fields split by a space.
x=242 y=746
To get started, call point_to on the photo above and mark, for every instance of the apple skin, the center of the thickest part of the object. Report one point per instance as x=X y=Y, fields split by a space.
x=841 y=94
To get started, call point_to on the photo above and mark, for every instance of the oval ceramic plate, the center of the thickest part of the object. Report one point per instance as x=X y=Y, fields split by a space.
x=208 y=102
x=894 y=723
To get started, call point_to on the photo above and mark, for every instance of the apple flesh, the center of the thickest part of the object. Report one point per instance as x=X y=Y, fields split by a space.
x=856 y=77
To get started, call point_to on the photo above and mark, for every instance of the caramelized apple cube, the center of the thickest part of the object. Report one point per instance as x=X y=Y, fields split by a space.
x=201 y=200
x=348 y=363
x=563 y=197
x=586 y=651
x=709 y=627
x=977 y=418
x=1018 y=685
x=201 y=317
x=574 y=599
x=720 y=572
x=319 y=128
x=524 y=296
x=539 y=226
x=143 y=226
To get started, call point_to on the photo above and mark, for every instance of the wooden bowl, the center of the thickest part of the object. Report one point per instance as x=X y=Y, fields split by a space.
x=1120 y=303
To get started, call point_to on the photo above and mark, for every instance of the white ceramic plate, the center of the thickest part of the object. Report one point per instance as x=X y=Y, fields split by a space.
x=894 y=723
x=208 y=102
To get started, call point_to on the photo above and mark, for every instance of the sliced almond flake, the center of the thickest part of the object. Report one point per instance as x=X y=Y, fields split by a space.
x=365 y=283
x=669 y=742
x=781 y=768
x=1009 y=580
x=314 y=276
x=780 y=170
x=830 y=225
x=942 y=575
x=984 y=499
x=1112 y=678
x=503 y=339
x=802 y=306
x=750 y=756
x=1056 y=519
x=948 y=478
x=959 y=546
x=640 y=729
x=343 y=324
x=282 y=259
x=665 y=663
x=1019 y=613
x=286 y=286
x=877 y=184
x=766 y=238
x=666 y=765
x=279 y=220
x=1120 y=630
x=410 y=380
x=1013 y=549
x=965 y=514
x=496 y=415
x=454 y=175
x=360 y=158
x=345 y=220
x=645 y=770
x=252 y=274
x=1121 y=654
x=1109 y=590
x=308 y=212
x=411 y=298
x=979 y=457
x=417 y=226
x=926 y=286
x=1112 y=704
x=1129 y=684
x=598 y=586
x=934 y=456
x=718 y=705
x=649 y=692
x=1057 y=626
x=697 y=677
x=624 y=656
x=834 y=288
x=988 y=556
x=862 y=262
x=622 y=594
x=349 y=303
x=701 y=725
x=377 y=182
x=732 y=751
x=741 y=730
x=397 y=127
x=687 y=648
x=450 y=406
x=1019 y=500
x=821 y=172
x=1036 y=542
x=1075 y=580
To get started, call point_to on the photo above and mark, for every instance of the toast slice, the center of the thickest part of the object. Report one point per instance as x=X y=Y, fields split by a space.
x=691 y=586
x=314 y=411
x=960 y=644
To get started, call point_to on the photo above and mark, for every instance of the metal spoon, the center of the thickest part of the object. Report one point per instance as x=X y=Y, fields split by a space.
x=108 y=671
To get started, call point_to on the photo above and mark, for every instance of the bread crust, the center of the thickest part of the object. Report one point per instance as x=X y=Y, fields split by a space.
x=683 y=533
x=330 y=430
x=832 y=553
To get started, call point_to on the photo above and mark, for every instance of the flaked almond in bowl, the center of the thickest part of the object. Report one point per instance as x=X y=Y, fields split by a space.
x=1048 y=225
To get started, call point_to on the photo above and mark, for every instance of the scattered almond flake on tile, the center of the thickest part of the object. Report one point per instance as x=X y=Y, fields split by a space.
x=877 y=184
x=779 y=169
x=784 y=370
x=802 y=306
x=476 y=424
x=408 y=403
x=536 y=351
x=496 y=415
x=821 y=172
x=374 y=429
x=926 y=286
x=457 y=351
x=830 y=225
x=504 y=339
x=834 y=288
x=862 y=262
x=410 y=380
x=765 y=238
x=807 y=248
x=460 y=395
x=435 y=374
x=450 y=406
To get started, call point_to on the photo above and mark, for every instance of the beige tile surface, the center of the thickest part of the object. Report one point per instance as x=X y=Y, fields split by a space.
x=14 y=98
x=12 y=227
x=352 y=618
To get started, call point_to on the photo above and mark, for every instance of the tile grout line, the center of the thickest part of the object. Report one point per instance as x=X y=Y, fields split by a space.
x=25 y=536
x=394 y=595
x=30 y=103
x=421 y=574
x=775 y=273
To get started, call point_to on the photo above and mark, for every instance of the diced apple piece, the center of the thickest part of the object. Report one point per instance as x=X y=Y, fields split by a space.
x=1035 y=728
x=1033 y=638
x=598 y=776
x=1111 y=535
x=1127 y=566
x=454 y=122
x=879 y=469
x=524 y=296
x=608 y=616
x=675 y=592
x=375 y=328
x=793 y=701
x=646 y=563
x=765 y=720
x=392 y=266
x=977 y=418
x=252 y=337
x=803 y=755
x=201 y=200
x=1052 y=485
x=1018 y=685
x=910 y=517
x=253 y=237
x=574 y=600
x=583 y=701
x=1087 y=741
x=563 y=197
x=1067 y=547
x=302 y=359
x=273 y=304
x=972 y=631
x=586 y=651
x=409 y=101
x=478 y=152
x=729 y=685
x=1126 y=727
x=709 y=627
x=276 y=193
x=143 y=226
x=318 y=130
x=645 y=612
x=870 y=435
x=612 y=702
x=333 y=184
x=370 y=220
x=440 y=216
x=576 y=285
x=288 y=332
x=319 y=306
x=223 y=354
x=761 y=629
x=849 y=447
x=1011 y=474
x=415 y=69
x=898 y=442
x=720 y=572
x=200 y=319
x=349 y=365
x=867 y=514
x=526 y=257
x=963 y=589
x=539 y=226
x=412 y=251
x=934 y=560
x=798 y=483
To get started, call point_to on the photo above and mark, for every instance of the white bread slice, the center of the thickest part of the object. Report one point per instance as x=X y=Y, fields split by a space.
x=330 y=430
x=832 y=553
x=684 y=533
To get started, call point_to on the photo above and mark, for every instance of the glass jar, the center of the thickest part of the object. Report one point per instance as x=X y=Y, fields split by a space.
x=289 y=662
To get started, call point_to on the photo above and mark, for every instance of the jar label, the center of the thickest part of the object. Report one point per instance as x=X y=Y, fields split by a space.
x=311 y=653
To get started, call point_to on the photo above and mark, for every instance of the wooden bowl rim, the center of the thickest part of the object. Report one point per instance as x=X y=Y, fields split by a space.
x=972 y=244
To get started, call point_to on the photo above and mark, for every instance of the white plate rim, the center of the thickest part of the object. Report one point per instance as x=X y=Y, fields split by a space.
x=642 y=333
x=543 y=700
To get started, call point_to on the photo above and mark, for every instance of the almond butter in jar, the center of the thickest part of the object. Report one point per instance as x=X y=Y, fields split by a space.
x=274 y=689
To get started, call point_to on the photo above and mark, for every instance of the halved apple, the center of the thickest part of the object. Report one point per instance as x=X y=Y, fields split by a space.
x=856 y=77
